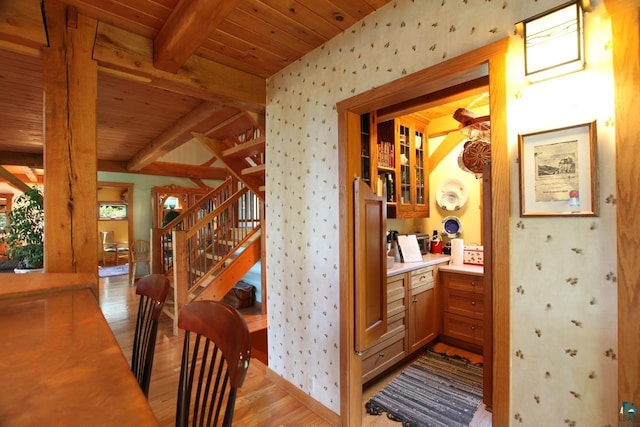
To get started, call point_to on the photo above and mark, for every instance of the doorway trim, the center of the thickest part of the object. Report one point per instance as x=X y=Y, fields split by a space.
x=489 y=59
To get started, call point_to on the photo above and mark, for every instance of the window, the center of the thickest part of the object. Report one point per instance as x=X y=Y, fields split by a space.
x=110 y=210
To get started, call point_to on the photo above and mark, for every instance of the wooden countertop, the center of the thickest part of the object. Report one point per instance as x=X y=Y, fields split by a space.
x=61 y=364
x=17 y=285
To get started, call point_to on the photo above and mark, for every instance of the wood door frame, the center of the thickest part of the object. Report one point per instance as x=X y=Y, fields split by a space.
x=122 y=186
x=625 y=21
x=490 y=60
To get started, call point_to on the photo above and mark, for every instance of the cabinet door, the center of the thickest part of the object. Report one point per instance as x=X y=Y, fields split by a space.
x=423 y=317
x=370 y=225
x=421 y=176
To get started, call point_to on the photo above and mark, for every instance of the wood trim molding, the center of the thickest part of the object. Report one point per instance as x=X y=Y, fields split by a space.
x=625 y=21
x=490 y=60
x=313 y=405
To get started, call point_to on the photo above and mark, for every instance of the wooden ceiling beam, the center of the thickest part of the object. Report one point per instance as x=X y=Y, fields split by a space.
x=186 y=171
x=13 y=158
x=200 y=78
x=188 y=26
x=13 y=180
x=176 y=135
x=21 y=23
x=451 y=141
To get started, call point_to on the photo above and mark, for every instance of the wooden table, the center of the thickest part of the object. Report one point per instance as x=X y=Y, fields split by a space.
x=61 y=365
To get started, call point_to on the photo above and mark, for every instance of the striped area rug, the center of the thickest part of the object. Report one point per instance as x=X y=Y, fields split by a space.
x=435 y=391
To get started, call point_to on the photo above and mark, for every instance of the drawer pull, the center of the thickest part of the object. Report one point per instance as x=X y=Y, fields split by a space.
x=380 y=355
x=473 y=328
x=473 y=303
x=473 y=283
x=423 y=277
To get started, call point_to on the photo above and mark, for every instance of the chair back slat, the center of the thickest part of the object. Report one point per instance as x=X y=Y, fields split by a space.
x=213 y=365
x=153 y=290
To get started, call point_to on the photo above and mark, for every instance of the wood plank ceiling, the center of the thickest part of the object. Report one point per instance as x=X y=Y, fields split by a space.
x=166 y=68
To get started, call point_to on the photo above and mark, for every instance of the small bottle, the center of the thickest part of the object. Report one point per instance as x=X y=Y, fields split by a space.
x=436 y=243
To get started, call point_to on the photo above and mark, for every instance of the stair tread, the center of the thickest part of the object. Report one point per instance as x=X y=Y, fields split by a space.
x=247 y=149
x=254 y=170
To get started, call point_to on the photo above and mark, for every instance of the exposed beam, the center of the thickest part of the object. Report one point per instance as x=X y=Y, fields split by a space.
x=21 y=159
x=13 y=180
x=21 y=23
x=186 y=171
x=451 y=141
x=181 y=170
x=200 y=78
x=177 y=134
x=188 y=26
x=473 y=87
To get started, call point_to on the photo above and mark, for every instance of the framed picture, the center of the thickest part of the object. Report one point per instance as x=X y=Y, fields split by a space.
x=559 y=172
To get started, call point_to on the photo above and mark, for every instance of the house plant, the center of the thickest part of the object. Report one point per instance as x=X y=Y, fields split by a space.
x=24 y=233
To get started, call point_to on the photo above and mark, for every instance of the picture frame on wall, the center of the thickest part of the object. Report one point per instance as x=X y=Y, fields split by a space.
x=559 y=171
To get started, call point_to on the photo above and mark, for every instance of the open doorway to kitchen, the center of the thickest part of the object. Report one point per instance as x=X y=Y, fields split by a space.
x=431 y=83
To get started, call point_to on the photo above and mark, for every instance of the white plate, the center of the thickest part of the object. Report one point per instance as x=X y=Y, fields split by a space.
x=451 y=194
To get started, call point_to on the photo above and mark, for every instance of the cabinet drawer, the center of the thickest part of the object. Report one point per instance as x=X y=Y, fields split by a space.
x=422 y=277
x=464 y=328
x=395 y=295
x=464 y=303
x=463 y=282
x=383 y=355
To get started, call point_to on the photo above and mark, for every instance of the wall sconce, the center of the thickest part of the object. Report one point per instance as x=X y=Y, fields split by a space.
x=553 y=42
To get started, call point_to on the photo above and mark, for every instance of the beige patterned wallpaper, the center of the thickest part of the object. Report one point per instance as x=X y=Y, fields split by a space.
x=564 y=316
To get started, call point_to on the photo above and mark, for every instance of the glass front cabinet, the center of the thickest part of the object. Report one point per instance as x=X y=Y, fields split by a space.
x=394 y=163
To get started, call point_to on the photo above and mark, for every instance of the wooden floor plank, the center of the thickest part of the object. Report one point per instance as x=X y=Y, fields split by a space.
x=261 y=403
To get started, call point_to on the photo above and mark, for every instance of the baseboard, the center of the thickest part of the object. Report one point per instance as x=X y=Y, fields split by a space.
x=312 y=404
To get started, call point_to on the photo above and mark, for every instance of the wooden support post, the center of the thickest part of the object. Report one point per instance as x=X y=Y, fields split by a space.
x=70 y=153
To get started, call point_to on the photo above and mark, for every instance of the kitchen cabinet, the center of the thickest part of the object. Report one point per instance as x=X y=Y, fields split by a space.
x=394 y=162
x=423 y=308
x=412 y=319
x=463 y=310
x=391 y=347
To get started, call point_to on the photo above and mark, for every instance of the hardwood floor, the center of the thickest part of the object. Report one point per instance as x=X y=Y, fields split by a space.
x=261 y=403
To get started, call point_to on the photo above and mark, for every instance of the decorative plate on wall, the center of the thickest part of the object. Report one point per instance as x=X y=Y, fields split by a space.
x=452 y=194
x=452 y=226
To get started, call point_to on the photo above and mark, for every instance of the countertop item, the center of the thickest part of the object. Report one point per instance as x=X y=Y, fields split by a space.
x=427 y=260
x=475 y=270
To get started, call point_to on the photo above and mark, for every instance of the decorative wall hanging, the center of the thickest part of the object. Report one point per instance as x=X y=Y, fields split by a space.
x=559 y=172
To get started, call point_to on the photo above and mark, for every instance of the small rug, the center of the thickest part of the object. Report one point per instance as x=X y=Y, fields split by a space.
x=117 y=270
x=435 y=391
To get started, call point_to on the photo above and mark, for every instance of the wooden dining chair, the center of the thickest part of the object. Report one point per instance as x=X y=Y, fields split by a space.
x=215 y=359
x=140 y=254
x=112 y=250
x=153 y=291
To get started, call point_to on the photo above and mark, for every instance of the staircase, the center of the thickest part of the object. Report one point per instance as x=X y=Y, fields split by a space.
x=208 y=248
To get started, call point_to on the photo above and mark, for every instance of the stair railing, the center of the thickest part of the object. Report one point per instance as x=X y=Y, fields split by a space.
x=204 y=250
x=162 y=239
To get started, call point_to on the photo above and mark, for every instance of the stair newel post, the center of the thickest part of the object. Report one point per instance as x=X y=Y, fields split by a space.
x=180 y=268
x=156 y=251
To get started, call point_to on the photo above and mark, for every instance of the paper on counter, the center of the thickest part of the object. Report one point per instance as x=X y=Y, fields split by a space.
x=409 y=248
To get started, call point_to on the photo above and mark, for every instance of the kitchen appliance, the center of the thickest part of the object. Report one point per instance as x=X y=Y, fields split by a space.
x=392 y=238
x=424 y=242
